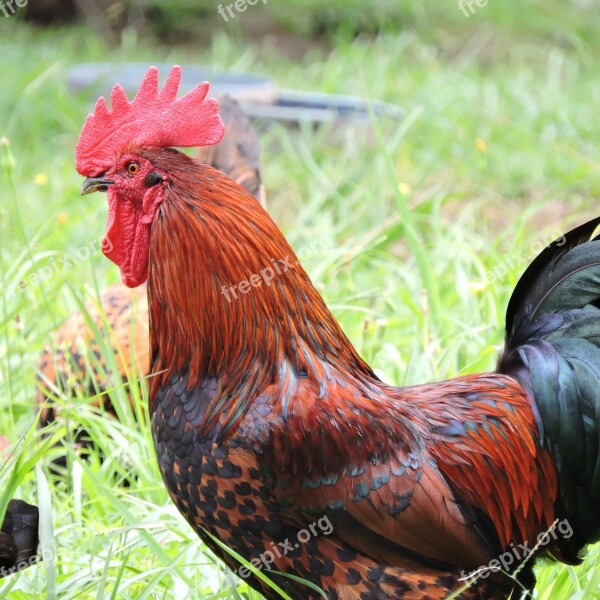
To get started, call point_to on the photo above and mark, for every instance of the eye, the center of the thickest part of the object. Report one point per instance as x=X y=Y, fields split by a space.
x=133 y=168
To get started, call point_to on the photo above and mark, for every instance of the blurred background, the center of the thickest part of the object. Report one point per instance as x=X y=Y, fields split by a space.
x=415 y=218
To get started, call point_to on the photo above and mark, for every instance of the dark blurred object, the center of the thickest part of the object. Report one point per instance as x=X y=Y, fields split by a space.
x=179 y=20
x=237 y=155
x=183 y=21
x=18 y=537
x=257 y=95
x=346 y=18
x=45 y=12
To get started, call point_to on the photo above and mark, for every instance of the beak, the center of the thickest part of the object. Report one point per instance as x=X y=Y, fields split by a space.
x=95 y=184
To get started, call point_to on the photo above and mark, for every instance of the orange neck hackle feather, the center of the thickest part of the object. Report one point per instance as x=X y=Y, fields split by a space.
x=210 y=240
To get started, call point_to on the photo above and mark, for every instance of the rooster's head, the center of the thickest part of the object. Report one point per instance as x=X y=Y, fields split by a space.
x=113 y=154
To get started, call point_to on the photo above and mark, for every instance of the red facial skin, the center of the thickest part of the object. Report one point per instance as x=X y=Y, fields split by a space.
x=132 y=205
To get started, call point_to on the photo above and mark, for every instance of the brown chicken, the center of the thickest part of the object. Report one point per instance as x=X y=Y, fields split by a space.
x=74 y=363
x=277 y=440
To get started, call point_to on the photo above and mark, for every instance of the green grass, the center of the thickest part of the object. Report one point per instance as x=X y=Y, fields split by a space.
x=415 y=239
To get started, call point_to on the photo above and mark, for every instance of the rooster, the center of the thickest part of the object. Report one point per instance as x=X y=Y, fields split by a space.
x=121 y=318
x=267 y=424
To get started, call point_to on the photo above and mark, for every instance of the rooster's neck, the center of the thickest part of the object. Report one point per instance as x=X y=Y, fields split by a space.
x=229 y=300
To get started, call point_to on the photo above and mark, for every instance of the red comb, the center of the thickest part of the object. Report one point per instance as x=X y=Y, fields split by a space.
x=153 y=118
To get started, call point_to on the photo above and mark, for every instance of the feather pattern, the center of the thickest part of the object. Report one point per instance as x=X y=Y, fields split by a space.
x=553 y=347
x=542 y=277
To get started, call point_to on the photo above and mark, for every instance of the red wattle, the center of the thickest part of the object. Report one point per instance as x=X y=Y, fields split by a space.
x=127 y=240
